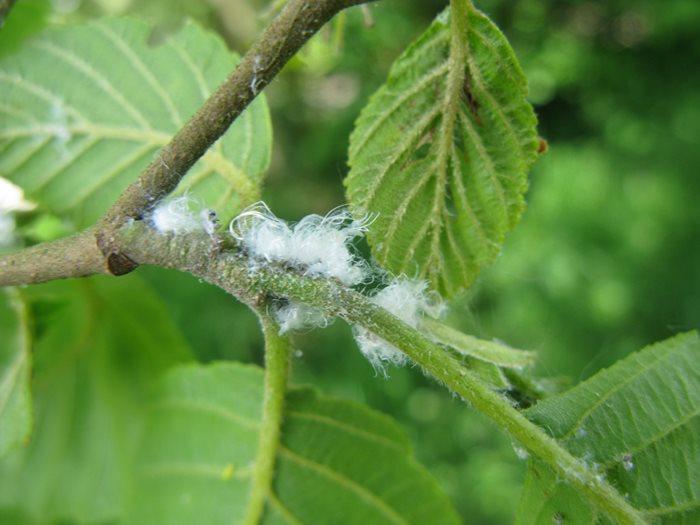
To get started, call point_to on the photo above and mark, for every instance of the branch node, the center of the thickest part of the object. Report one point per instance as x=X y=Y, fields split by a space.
x=119 y=264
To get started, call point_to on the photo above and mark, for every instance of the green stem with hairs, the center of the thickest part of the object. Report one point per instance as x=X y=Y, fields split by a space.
x=205 y=258
x=275 y=387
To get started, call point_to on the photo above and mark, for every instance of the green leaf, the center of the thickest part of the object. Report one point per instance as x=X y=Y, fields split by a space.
x=24 y=20
x=15 y=398
x=637 y=423
x=338 y=462
x=546 y=500
x=99 y=344
x=489 y=351
x=84 y=109
x=488 y=372
x=442 y=152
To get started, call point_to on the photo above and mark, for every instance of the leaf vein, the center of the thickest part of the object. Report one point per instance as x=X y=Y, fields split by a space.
x=126 y=163
x=440 y=39
x=8 y=110
x=486 y=159
x=283 y=509
x=138 y=64
x=210 y=408
x=429 y=77
x=85 y=145
x=35 y=147
x=399 y=150
x=42 y=93
x=89 y=71
x=617 y=387
x=340 y=479
x=343 y=426
x=463 y=199
x=204 y=88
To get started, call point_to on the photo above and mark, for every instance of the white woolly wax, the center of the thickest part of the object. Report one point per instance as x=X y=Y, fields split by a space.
x=321 y=246
x=317 y=245
x=183 y=215
x=409 y=300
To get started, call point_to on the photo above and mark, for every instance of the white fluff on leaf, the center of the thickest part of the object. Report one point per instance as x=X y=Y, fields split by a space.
x=409 y=300
x=317 y=245
x=183 y=215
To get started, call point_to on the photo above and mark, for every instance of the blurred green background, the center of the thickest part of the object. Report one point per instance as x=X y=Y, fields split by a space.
x=605 y=261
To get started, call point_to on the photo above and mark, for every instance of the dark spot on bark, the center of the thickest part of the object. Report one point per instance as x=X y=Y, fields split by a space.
x=120 y=264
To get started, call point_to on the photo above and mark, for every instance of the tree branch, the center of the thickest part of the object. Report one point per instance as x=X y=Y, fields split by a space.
x=283 y=38
x=74 y=256
x=202 y=256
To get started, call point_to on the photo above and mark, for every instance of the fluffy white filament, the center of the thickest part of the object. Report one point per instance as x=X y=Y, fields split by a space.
x=11 y=200
x=409 y=300
x=293 y=316
x=320 y=246
x=183 y=215
x=317 y=245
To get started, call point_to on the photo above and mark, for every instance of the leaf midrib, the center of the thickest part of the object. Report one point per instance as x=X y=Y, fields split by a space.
x=459 y=49
x=618 y=386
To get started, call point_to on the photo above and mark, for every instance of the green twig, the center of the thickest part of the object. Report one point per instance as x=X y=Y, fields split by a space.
x=276 y=372
x=77 y=256
x=298 y=21
x=446 y=369
x=232 y=272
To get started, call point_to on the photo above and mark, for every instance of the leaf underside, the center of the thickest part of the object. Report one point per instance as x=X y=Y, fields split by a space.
x=84 y=109
x=638 y=424
x=15 y=398
x=442 y=152
x=338 y=462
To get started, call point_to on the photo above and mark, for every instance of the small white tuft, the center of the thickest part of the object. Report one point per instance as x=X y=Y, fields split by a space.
x=183 y=215
x=292 y=317
x=628 y=461
x=520 y=452
x=11 y=200
x=59 y=120
x=209 y=220
x=407 y=299
x=317 y=245
x=255 y=82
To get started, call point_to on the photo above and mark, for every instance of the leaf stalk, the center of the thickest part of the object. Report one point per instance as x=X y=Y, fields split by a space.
x=274 y=390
